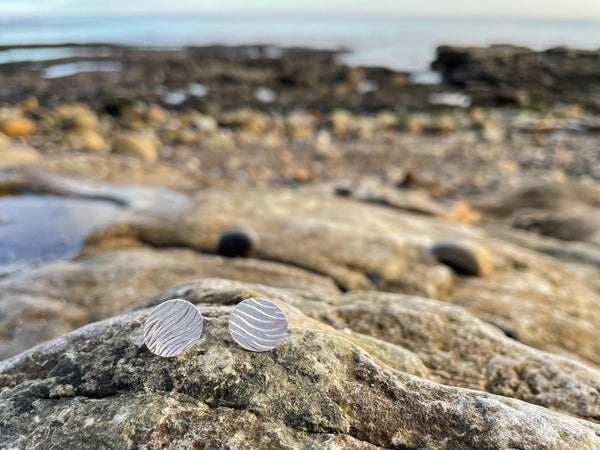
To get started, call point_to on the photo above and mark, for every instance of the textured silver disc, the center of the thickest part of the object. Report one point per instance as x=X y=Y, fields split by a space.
x=172 y=328
x=258 y=324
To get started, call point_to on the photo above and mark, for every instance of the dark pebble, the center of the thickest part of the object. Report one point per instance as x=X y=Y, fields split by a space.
x=236 y=242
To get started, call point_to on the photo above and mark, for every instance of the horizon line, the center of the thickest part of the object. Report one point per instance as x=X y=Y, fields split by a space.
x=298 y=14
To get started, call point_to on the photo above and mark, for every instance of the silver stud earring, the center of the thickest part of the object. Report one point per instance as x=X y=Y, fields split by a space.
x=258 y=324
x=172 y=328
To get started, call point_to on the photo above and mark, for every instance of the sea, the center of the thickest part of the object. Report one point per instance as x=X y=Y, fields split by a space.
x=399 y=43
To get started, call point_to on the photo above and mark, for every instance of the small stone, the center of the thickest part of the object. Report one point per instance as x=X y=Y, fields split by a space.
x=387 y=120
x=17 y=126
x=236 y=242
x=137 y=146
x=300 y=125
x=324 y=148
x=245 y=119
x=30 y=104
x=76 y=117
x=157 y=114
x=340 y=122
x=86 y=141
x=414 y=123
x=465 y=257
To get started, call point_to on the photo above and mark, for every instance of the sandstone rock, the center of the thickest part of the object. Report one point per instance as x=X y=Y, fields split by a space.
x=137 y=146
x=17 y=155
x=365 y=246
x=464 y=257
x=113 y=168
x=76 y=117
x=71 y=294
x=17 y=126
x=316 y=390
x=86 y=140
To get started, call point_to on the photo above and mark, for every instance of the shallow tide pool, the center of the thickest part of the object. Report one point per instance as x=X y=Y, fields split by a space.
x=40 y=228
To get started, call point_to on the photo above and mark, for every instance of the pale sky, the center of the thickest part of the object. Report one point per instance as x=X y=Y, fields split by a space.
x=567 y=9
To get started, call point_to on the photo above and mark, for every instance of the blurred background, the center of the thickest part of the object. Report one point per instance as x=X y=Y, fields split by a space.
x=399 y=35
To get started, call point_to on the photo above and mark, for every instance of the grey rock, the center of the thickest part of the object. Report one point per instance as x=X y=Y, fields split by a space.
x=438 y=341
x=316 y=390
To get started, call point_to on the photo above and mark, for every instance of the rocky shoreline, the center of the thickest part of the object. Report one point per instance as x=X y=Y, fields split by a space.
x=439 y=265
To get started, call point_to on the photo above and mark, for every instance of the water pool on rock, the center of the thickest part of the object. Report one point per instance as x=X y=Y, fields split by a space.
x=37 y=228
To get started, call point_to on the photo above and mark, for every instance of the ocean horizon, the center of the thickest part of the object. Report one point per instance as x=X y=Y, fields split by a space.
x=399 y=43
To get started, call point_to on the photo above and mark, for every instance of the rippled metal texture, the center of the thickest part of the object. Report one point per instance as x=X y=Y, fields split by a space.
x=258 y=325
x=172 y=328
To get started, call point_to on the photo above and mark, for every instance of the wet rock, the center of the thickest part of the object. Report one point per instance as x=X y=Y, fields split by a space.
x=237 y=242
x=17 y=126
x=316 y=387
x=506 y=74
x=137 y=146
x=464 y=257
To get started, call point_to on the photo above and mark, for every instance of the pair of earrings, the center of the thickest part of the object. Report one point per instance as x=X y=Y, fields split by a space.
x=174 y=326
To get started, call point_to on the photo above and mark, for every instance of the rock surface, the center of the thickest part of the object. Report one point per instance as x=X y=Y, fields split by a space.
x=101 y=382
x=365 y=246
x=41 y=304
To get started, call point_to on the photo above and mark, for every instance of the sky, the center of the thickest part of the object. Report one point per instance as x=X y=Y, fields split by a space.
x=565 y=9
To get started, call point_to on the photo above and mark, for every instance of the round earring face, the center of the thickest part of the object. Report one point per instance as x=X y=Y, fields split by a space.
x=172 y=328
x=258 y=324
